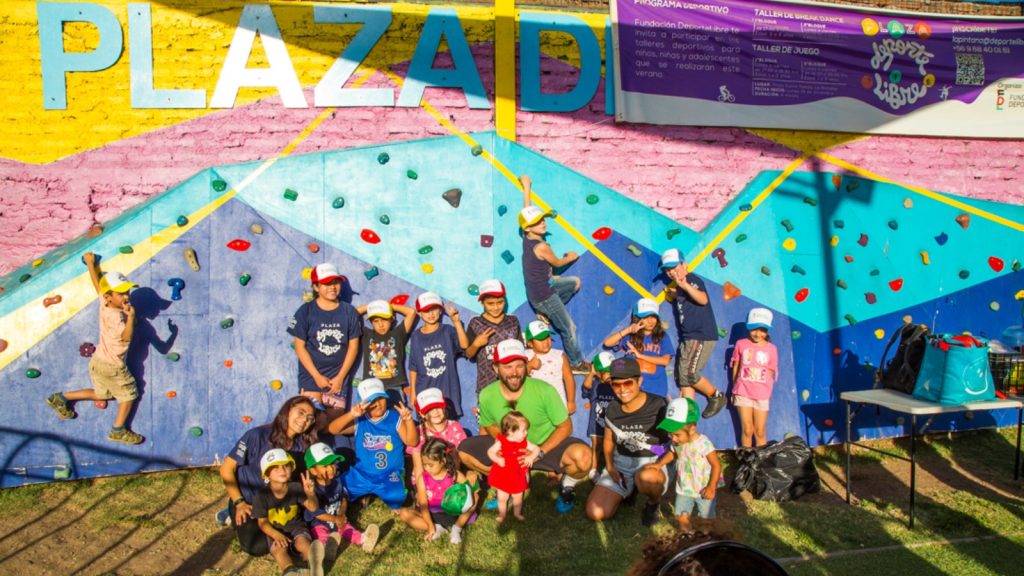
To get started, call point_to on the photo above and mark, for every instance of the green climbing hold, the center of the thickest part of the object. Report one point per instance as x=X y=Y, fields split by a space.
x=795 y=335
x=672 y=233
x=244 y=279
x=227 y=323
x=798 y=270
x=61 y=473
x=502 y=210
x=371 y=273
x=174 y=356
x=1015 y=266
x=290 y=194
x=994 y=306
x=507 y=257
x=634 y=250
x=554 y=214
x=592 y=199
x=810 y=201
x=339 y=202
x=746 y=207
x=473 y=290
x=849 y=318
x=196 y=431
x=383 y=158
x=841 y=283
x=385 y=219
x=766 y=271
x=964 y=274
x=722 y=332
x=219 y=185
x=24 y=277
x=426 y=249
x=182 y=221
x=476 y=150
x=894 y=225
x=741 y=238
x=875 y=272
x=32 y=373
x=787 y=225
x=126 y=250
x=838 y=223
x=411 y=174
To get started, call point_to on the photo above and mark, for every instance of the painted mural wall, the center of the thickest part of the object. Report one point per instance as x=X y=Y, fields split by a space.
x=841 y=235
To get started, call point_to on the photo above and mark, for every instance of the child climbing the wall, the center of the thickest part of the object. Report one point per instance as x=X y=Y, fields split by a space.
x=326 y=332
x=384 y=345
x=697 y=464
x=486 y=330
x=644 y=339
x=107 y=369
x=433 y=351
x=549 y=364
x=277 y=510
x=755 y=369
x=439 y=473
x=698 y=332
x=598 y=391
x=508 y=475
x=548 y=294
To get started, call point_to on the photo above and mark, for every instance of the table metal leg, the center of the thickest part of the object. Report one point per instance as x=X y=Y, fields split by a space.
x=1016 y=462
x=913 y=465
x=846 y=443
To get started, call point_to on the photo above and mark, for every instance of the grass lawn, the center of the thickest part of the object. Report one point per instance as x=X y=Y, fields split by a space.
x=969 y=521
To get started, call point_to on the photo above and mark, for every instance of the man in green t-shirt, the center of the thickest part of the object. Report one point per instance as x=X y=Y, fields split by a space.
x=550 y=427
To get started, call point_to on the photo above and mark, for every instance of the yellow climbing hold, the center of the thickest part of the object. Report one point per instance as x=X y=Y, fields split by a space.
x=879 y=333
x=306 y=272
x=1019 y=295
x=805 y=394
x=38 y=262
x=835 y=241
x=427 y=268
x=276 y=384
x=608 y=289
x=789 y=244
x=924 y=258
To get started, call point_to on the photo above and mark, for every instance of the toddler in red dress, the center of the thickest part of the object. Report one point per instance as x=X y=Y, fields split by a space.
x=508 y=475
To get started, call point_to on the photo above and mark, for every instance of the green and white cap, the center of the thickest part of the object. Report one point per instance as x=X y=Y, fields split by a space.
x=458 y=499
x=537 y=330
x=681 y=412
x=603 y=361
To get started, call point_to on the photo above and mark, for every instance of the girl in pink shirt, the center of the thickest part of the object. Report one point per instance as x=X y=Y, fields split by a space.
x=755 y=368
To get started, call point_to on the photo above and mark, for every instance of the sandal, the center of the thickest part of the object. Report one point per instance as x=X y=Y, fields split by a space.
x=125 y=435
x=60 y=406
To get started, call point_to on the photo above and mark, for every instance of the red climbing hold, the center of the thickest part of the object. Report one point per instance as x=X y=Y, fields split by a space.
x=863 y=240
x=369 y=236
x=239 y=245
x=848 y=258
x=801 y=294
x=995 y=263
x=828 y=422
x=314 y=247
x=870 y=297
x=837 y=181
x=896 y=284
x=602 y=233
x=400 y=300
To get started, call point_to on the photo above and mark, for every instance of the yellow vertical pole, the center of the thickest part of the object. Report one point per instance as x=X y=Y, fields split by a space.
x=505 y=68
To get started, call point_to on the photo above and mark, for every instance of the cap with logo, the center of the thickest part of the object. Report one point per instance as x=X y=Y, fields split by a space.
x=457 y=499
x=531 y=215
x=623 y=368
x=379 y=309
x=645 y=307
x=680 y=412
x=537 y=330
x=428 y=300
x=429 y=399
x=603 y=361
x=325 y=273
x=759 y=318
x=275 y=457
x=671 y=258
x=491 y=288
x=371 y=389
x=321 y=454
x=508 y=350
x=116 y=282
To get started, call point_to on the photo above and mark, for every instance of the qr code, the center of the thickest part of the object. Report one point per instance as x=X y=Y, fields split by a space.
x=970 y=70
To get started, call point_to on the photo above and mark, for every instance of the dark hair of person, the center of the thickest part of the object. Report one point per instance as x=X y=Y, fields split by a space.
x=513 y=421
x=279 y=427
x=637 y=339
x=441 y=451
x=702 y=553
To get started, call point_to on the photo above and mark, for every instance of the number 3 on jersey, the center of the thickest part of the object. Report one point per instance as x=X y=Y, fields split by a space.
x=382 y=460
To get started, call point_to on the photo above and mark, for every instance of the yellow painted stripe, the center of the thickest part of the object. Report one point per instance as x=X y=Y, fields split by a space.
x=505 y=68
x=923 y=192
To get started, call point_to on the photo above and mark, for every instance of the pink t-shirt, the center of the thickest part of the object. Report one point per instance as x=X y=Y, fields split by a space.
x=111 y=348
x=759 y=369
x=453 y=433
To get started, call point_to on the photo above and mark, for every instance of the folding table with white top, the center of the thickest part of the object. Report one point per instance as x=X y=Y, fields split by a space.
x=907 y=404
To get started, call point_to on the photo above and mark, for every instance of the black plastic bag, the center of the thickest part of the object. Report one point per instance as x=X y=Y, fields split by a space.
x=778 y=472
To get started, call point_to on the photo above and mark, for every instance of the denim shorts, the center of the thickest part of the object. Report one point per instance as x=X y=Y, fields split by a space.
x=685 y=504
x=628 y=466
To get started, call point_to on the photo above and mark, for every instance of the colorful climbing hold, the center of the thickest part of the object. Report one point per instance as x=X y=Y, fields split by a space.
x=602 y=233
x=609 y=289
x=719 y=254
x=870 y=297
x=741 y=238
x=795 y=334
x=177 y=285
x=907 y=319
x=746 y=207
x=964 y=274
x=995 y=263
x=24 y=278
x=244 y=278
x=874 y=272
x=86 y=349
x=227 y=323
x=453 y=197
x=427 y=268
x=863 y=240
x=766 y=271
x=61 y=473
x=796 y=269
x=256 y=229
x=313 y=247
x=837 y=181
x=33 y=373
x=94 y=231
x=426 y=249
x=400 y=300
x=308 y=296
x=896 y=285
x=52 y=300
x=339 y=202
x=507 y=257
x=191 y=259
x=276 y=384
x=369 y=236
x=841 y=283
x=246 y=419
x=476 y=150
x=371 y=272
x=502 y=210
x=894 y=225
x=383 y=158
x=473 y=290
x=849 y=318
x=789 y=244
x=672 y=233
x=838 y=224
x=182 y=221
x=941 y=239
x=837 y=351
x=801 y=294
x=290 y=194
x=307 y=273
x=834 y=241
x=592 y=199
x=848 y=258
x=722 y=332
x=730 y=291
x=3 y=344
x=486 y=240
x=879 y=334
x=964 y=220
x=924 y=258
x=384 y=219
x=126 y=249
x=994 y=306
x=1016 y=266
x=810 y=201
x=805 y=394
x=173 y=356
x=908 y=203
x=239 y=245
x=634 y=250
x=411 y=174
x=219 y=185
x=828 y=422
x=228 y=363
x=38 y=262
x=196 y=431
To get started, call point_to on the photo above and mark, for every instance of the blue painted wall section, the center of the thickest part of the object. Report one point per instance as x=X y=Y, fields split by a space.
x=221 y=383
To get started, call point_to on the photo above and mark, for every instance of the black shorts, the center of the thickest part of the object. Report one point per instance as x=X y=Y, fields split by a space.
x=477 y=447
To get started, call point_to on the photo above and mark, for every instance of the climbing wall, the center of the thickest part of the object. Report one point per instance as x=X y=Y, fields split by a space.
x=223 y=261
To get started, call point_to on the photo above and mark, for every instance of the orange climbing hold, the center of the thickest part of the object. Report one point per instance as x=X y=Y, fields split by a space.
x=94 y=231
x=239 y=245
x=802 y=294
x=730 y=291
x=995 y=263
x=228 y=363
x=369 y=236
x=400 y=300
x=246 y=419
x=172 y=394
x=837 y=181
x=602 y=233
x=314 y=247
x=55 y=299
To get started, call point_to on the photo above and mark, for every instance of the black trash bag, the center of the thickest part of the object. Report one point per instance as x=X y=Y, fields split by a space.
x=778 y=472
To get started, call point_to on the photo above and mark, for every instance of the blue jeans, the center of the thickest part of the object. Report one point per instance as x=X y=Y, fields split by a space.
x=554 y=308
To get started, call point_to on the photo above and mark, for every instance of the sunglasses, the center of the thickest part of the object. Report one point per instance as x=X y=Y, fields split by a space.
x=622 y=383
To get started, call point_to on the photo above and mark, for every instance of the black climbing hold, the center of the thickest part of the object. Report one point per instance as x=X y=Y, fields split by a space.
x=453 y=197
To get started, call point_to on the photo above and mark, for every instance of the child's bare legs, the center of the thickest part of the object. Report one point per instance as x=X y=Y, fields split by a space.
x=687 y=392
x=760 y=427
x=503 y=505
x=684 y=522
x=517 y=506
x=301 y=544
x=280 y=553
x=413 y=518
x=123 y=408
x=593 y=458
x=746 y=425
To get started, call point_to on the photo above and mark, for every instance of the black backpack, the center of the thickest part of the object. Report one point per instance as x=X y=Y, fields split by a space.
x=900 y=373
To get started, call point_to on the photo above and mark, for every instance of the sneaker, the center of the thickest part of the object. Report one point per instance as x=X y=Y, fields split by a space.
x=438 y=532
x=581 y=367
x=566 y=498
x=649 y=516
x=60 y=406
x=224 y=517
x=316 y=558
x=125 y=435
x=491 y=504
x=456 y=537
x=715 y=405
x=370 y=537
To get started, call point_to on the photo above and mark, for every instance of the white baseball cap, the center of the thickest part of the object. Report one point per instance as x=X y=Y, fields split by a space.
x=428 y=300
x=645 y=307
x=324 y=273
x=492 y=288
x=275 y=457
x=379 y=309
x=371 y=389
x=531 y=215
x=116 y=282
x=508 y=350
x=429 y=399
x=680 y=412
x=759 y=318
x=603 y=361
x=671 y=258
